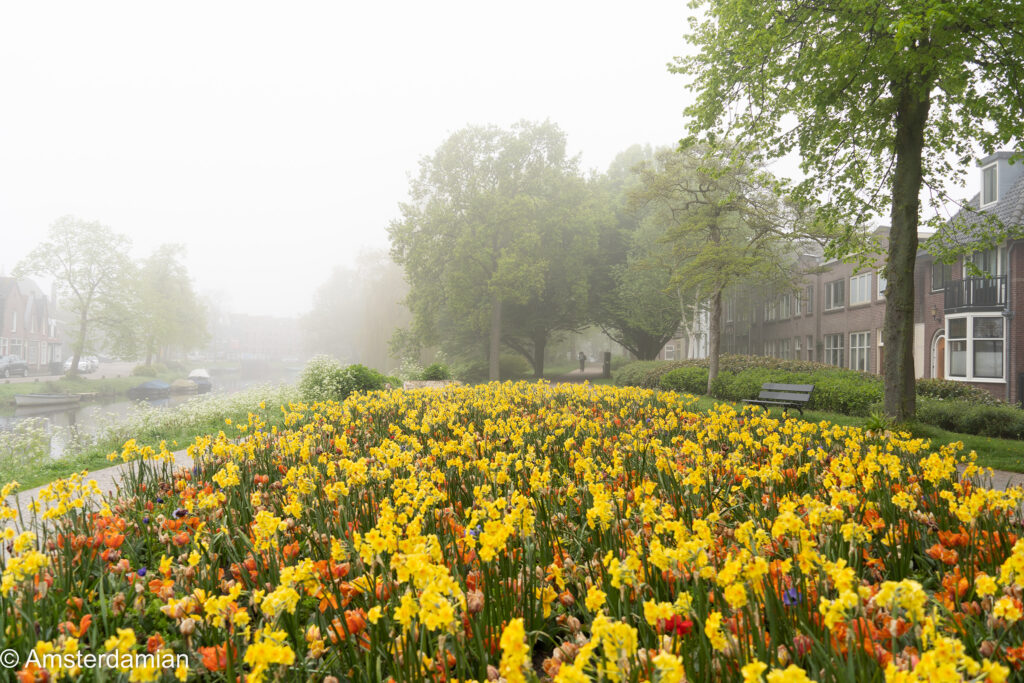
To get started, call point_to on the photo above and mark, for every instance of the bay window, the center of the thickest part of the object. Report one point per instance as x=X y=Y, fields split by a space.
x=975 y=347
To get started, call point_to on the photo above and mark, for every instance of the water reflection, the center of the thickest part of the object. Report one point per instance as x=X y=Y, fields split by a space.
x=63 y=422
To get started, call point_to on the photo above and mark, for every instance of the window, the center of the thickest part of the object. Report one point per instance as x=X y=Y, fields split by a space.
x=941 y=274
x=833 y=295
x=730 y=307
x=834 y=349
x=988 y=347
x=810 y=347
x=860 y=289
x=14 y=321
x=784 y=307
x=796 y=305
x=670 y=351
x=859 y=342
x=796 y=348
x=882 y=284
x=784 y=349
x=809 y=298
x=956 y=346
x=989 y=185
x=989 y=262
x=974 y=347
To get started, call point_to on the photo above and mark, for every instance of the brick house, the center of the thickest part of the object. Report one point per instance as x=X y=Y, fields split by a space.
x=28 y=328
x=965 y=325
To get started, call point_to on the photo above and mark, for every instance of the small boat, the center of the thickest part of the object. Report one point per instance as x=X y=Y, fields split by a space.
x=201 y=377
x=36 y=400
x=184 y=386
x=152 y=389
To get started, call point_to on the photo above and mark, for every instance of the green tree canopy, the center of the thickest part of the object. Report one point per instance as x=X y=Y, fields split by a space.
x=632 y=295
x=475 y=238
x=724 y=224
x=89 y=264
x=879 y=98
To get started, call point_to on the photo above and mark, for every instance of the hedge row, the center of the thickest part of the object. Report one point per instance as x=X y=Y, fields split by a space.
x=950 y=405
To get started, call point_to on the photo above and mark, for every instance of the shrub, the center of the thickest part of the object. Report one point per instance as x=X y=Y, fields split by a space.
x=510 y=366
x=948 y=389
x=437 y=371
x=997 y=420
x=691 y=380
x=326 y=379
x=151 y=370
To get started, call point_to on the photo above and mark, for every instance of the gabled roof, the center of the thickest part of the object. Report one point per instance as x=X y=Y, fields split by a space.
x=1008 y=209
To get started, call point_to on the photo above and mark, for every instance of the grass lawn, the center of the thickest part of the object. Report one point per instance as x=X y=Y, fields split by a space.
x=1000 y=454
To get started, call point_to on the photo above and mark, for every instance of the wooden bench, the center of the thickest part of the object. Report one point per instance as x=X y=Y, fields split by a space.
x=785 y=395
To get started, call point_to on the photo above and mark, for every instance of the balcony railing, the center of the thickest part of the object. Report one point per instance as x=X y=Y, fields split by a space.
x=976 y=293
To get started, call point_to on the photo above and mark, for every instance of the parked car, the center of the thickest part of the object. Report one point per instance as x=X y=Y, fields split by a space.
x=12 y=365
x=85 y=364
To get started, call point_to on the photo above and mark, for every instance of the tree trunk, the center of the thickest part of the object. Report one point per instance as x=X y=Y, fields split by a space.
x=83 y=322
x=714 y=336
x=494 y=352
x=540 y=342
x=898 y=331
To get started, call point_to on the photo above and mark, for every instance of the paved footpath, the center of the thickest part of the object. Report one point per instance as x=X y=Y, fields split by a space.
x=107 y=479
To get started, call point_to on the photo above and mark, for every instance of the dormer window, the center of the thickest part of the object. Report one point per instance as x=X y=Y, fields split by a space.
x=989 y=185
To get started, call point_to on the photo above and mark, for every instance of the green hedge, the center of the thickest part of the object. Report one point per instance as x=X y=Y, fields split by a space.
x=943 y=403
x=1004 y=421
x=835 y=390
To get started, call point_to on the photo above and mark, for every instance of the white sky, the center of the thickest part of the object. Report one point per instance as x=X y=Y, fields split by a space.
x=275 y=139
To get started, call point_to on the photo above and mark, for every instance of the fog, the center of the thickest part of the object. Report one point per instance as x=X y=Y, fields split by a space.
x=275 y=140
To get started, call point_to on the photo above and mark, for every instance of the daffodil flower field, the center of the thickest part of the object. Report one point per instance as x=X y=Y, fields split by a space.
x=526 y=532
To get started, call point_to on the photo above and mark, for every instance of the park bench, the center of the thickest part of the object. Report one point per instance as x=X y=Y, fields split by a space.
x=785 y=395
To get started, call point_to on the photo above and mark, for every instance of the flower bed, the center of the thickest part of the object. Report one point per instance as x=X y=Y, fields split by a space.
x=523 y=531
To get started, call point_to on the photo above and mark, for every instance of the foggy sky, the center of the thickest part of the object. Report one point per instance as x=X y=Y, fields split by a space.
x=275 y=140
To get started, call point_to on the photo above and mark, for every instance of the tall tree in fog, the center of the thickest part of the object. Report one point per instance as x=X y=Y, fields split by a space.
x=90 y=266
x=568 y=237
x=357 y=310
x=472 y=239
x=723 y=222
x=166 y=309
x=632 y=295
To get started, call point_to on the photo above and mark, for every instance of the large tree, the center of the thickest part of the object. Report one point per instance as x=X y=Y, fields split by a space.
x=89 y=264
x=724 y=223
x=880 y=99
x=473 y=237
x=632 y=296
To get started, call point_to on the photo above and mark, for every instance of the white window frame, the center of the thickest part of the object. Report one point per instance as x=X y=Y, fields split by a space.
x=830 y=304
x=969 y=363
x=14 y=321
x=860 y=287
x=784 y=304
x=882 y=282
x=995 y=183
x=670 y=351
x=831 y=350
x=860 y=343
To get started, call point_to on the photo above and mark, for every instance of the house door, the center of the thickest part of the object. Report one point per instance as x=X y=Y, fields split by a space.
x=939 y=357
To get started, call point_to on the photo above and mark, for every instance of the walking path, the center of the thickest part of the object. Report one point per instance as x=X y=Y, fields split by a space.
x=107 y=479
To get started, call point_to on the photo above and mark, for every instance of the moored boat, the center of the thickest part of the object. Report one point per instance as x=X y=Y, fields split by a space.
x=184 y=386
x=151 y=389
x=201 y=377
x=36 y=400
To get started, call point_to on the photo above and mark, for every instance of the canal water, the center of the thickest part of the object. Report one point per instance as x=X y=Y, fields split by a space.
x=89 y=417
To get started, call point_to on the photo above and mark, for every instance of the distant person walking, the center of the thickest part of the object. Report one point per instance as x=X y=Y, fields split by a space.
x=583 y=360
